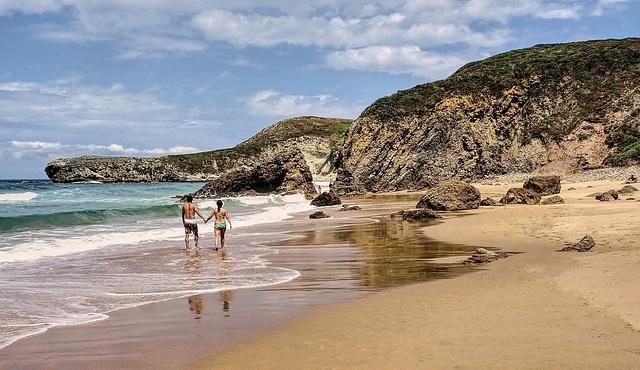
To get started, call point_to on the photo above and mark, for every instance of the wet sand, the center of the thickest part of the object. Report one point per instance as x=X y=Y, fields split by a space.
x=352 y=255
x=537 y=309
x=541 y=309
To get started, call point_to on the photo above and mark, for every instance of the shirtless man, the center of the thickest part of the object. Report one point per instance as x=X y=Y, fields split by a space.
x=222 y=217
x=189 y=212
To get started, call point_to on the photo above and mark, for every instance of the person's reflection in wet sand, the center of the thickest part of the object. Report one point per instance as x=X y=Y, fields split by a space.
x=192 y=263
x=225 y=296
x=192 y=266
x=196 y=305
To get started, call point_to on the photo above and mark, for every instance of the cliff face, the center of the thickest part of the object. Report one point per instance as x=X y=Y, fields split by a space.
x=316 y=139
x=283 y=170
x=552 y=108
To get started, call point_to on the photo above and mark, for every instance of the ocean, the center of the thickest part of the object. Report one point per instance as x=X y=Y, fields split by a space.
x=72 y=253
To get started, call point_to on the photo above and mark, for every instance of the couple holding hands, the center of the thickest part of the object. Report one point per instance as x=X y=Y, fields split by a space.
x=189 y=211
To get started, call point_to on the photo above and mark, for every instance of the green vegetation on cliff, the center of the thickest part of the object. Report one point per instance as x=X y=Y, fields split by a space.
x=556 y=108
x=597 y=70
x=304 y=126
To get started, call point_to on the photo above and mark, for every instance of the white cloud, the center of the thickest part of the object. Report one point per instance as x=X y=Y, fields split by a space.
x=66 y=104
x=389 y=59
x=603 y=5
x=31 y=149
x=274 y=103
x=337 y=32
x=35 y=145
x=151 y=29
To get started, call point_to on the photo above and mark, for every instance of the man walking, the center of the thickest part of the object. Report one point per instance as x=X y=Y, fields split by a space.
x=189 y=212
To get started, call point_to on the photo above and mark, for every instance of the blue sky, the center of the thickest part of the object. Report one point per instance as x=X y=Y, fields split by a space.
x=149 y=78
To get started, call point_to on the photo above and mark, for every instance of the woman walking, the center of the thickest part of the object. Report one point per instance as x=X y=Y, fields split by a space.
x=221 y=218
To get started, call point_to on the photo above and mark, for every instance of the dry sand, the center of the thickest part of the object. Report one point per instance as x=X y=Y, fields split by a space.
x=539 y=309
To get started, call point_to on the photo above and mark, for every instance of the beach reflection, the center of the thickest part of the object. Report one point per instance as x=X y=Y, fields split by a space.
x=196 y=305
x=193 y=266
x=387 y=253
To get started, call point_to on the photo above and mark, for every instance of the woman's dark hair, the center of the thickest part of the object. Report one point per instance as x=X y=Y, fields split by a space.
x=219 y=203
x=189 y=198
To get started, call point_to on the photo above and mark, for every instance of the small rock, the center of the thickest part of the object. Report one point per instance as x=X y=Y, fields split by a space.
x=318 y=214
x=484 y=256
x=632 y=179
x=328 y=198
x=451 y=196
x=631 y=198
x=584 y=245
x=346 y=207
x=543 y=185
x=607 y=196
x=487 y=202
x=571 y=188
x=556 y=199
x=627 y=189
x=520 y=196
x=416 y=214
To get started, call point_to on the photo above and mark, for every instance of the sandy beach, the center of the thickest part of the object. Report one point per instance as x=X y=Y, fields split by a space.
x=349 y=256
x=376 y=293
x=538 y=309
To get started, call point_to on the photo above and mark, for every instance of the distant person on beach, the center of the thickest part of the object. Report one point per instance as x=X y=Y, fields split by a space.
x=220 y=226
x=189 y=212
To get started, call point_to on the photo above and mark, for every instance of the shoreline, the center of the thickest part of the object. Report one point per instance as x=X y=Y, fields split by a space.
x=538 y=309
x=296 y=247
x=551 y=280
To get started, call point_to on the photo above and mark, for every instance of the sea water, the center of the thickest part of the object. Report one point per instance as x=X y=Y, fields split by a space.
x=72 y=253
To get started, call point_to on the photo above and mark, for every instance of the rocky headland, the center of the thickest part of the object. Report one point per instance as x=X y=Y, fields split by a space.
x=557 y=108
x=283 y=157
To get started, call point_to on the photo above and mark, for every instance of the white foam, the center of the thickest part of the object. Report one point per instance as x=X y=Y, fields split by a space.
x=17 y=197
x=53 y=244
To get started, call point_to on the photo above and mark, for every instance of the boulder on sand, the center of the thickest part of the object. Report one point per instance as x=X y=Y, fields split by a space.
x=607 y=196
x=347 y=207
x=328 y=198
x=487 y=202
x=584 y=245
x=451 y=196
x=318 y=214
x=556 y=199
x=416 y=214
x=627 y=189
x=521 y=196
x=543 y=185
x=484 y=256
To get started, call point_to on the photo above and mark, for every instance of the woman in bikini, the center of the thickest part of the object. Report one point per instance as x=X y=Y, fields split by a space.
x=220 y=227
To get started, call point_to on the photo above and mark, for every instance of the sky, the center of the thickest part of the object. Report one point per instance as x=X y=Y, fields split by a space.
x=158 y=77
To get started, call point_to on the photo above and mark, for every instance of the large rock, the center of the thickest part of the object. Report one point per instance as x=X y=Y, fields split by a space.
x=607 y=196
x=584 y=245
x=451 y=196
x=318 y=214
x=555 y=108
x=282 y=172
x=543 y=185
x=488 y=202
x=556 y=199
x=328 y=198
x=520 y=196
x=627 y=189
x=416 y=214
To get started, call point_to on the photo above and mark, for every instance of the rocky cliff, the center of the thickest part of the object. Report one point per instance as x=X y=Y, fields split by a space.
x=549 y=108
x=315 y=139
